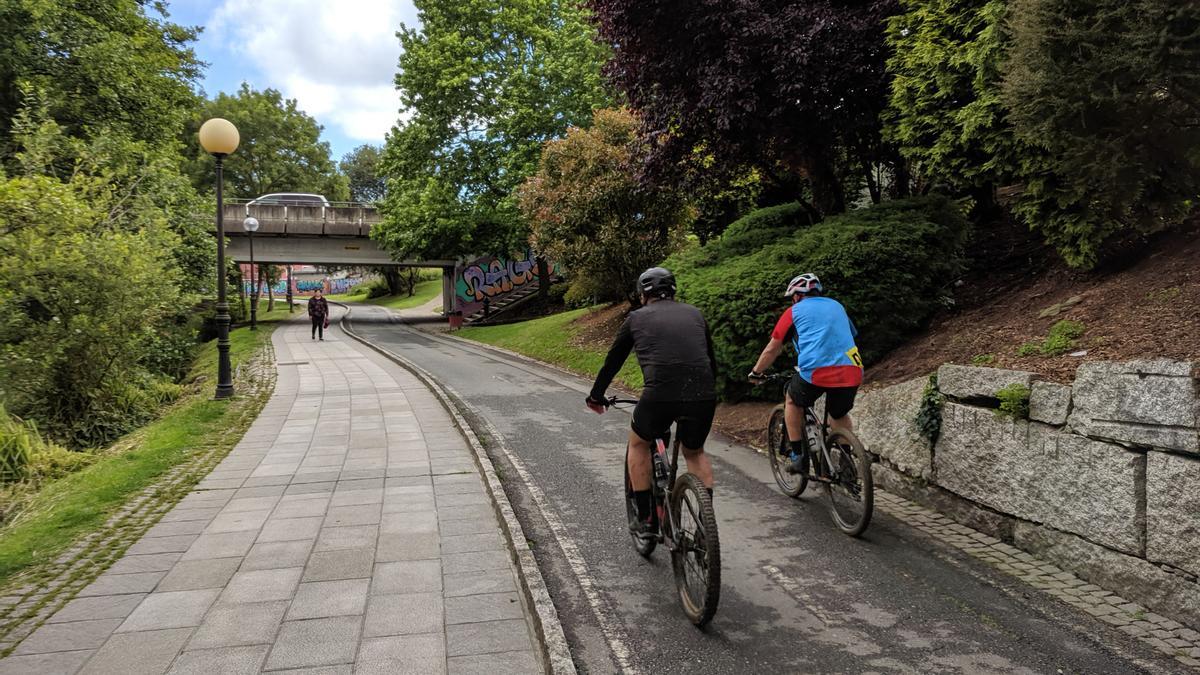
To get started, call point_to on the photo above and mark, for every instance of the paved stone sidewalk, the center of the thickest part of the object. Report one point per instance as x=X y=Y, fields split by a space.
x=348 y=530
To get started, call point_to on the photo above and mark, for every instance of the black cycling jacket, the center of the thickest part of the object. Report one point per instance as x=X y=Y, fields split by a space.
x=674 y=349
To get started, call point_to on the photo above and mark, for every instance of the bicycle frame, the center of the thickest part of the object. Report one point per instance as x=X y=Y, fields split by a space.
x=663 y=490
x=810 y=417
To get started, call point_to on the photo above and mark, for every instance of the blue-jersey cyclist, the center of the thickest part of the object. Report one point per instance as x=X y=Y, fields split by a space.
x=827 y=361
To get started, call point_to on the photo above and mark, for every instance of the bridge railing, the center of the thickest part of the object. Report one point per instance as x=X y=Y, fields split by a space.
x=339 y=219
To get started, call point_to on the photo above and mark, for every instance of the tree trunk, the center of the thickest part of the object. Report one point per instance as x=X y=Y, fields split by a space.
x=543 y=272
x=872 y=184
x=828 y=195
x=391 y=275
x=412 y=281
x=901 y=179
x=262 y=276
x=241 y=282
x=271 y=295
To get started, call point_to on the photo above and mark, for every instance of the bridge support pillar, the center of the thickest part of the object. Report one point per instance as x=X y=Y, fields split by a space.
x=449 y=302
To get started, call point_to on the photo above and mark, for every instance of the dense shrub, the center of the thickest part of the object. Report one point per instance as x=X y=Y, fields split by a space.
x=83 y=297
x=750 y=233
x=376 y=289
x=890 y=265
x=173 y=344
x=25 y=455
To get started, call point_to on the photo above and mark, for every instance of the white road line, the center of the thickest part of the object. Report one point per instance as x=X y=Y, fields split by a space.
x=612 y=632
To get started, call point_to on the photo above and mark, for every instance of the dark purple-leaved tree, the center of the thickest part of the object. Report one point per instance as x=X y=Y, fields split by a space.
x=797 y=84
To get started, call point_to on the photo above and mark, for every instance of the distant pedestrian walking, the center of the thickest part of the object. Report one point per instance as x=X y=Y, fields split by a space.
x=318 y=311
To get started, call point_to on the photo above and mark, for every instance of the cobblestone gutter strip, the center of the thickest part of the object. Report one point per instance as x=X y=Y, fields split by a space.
x=1167 y=636
x=549 y=630
x=35 y=596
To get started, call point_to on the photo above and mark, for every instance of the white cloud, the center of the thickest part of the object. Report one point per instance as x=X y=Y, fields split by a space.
x=337 y=59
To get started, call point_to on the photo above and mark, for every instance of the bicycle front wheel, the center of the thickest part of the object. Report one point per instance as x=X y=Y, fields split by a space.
x=792 y=484
x=696 y=555
x=852 y=489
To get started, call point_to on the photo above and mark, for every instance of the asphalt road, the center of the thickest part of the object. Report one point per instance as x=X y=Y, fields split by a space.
x=797 y=595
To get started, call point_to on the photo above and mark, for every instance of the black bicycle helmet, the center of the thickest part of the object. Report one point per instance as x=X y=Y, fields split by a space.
x=657 y=282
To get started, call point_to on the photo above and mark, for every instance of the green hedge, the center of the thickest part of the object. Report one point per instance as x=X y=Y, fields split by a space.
x=891 y=265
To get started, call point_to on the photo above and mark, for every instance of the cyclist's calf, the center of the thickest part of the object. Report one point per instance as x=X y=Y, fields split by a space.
x=698 y=464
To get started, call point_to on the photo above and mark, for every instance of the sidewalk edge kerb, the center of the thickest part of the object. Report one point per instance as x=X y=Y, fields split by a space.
x=548 y=626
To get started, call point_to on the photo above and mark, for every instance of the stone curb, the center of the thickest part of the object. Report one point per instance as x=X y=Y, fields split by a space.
x=548 y=626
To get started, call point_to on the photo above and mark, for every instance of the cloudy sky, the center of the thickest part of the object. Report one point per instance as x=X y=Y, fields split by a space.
x=336 y=57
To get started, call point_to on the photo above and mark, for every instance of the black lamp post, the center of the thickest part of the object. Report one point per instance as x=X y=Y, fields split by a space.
x=219 y=138
x=250 y=225
x=289 y=289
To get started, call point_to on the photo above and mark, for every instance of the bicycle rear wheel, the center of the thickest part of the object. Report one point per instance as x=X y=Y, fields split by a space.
x=696 y=556
x=792 y=484
x=644 y=547
x=852 y=490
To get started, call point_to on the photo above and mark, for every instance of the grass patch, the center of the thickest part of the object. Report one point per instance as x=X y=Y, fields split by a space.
x=552 y=339
x=424 y=292
x=63 y=510
x=280 y=313
x=1062 y=338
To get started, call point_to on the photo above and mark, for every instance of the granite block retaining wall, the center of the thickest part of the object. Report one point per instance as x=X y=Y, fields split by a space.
x=1103 y=478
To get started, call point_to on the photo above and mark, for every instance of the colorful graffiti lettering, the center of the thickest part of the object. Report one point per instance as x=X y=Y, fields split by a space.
x=492 y=276
x=342 y=285
x=310 y=285
x=307 y=286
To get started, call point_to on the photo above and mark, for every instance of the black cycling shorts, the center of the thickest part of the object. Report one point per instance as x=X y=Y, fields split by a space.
x=839 y=401
x=652 y=419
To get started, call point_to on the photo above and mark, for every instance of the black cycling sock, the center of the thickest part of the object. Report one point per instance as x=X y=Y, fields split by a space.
x=645 y=503
x=797 y=447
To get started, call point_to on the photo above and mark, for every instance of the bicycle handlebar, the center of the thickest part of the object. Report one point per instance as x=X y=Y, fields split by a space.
x=613 y=400
x=784 y=375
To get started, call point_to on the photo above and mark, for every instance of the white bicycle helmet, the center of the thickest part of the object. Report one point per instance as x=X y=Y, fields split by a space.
x=803 y=284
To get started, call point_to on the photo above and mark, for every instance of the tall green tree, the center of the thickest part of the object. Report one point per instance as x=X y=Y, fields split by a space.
x=1109 y=92
x=362 y=169
x=946 y=114
x=281 y=148
x=118 y=64
x=483 y=84
x=587 y=210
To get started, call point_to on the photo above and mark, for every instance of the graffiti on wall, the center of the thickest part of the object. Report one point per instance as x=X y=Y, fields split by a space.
x=307 y=286
x=343 y=285
x=491 y=276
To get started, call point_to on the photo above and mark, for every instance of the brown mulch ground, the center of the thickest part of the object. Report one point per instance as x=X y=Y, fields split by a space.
x=1143 y=308
x=597 y=329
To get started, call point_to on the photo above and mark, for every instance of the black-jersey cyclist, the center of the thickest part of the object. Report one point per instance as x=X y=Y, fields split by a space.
x=674 y=350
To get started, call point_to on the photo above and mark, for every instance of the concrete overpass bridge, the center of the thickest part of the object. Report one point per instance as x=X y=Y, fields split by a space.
x=339 y=234
x=334 y=235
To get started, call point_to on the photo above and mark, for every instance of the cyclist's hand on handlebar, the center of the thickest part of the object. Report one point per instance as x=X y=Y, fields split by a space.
x=595 y=406
x=756 y=377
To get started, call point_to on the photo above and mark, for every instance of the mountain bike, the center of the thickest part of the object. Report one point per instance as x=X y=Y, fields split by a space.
x=686 y=524
x=834 y=458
